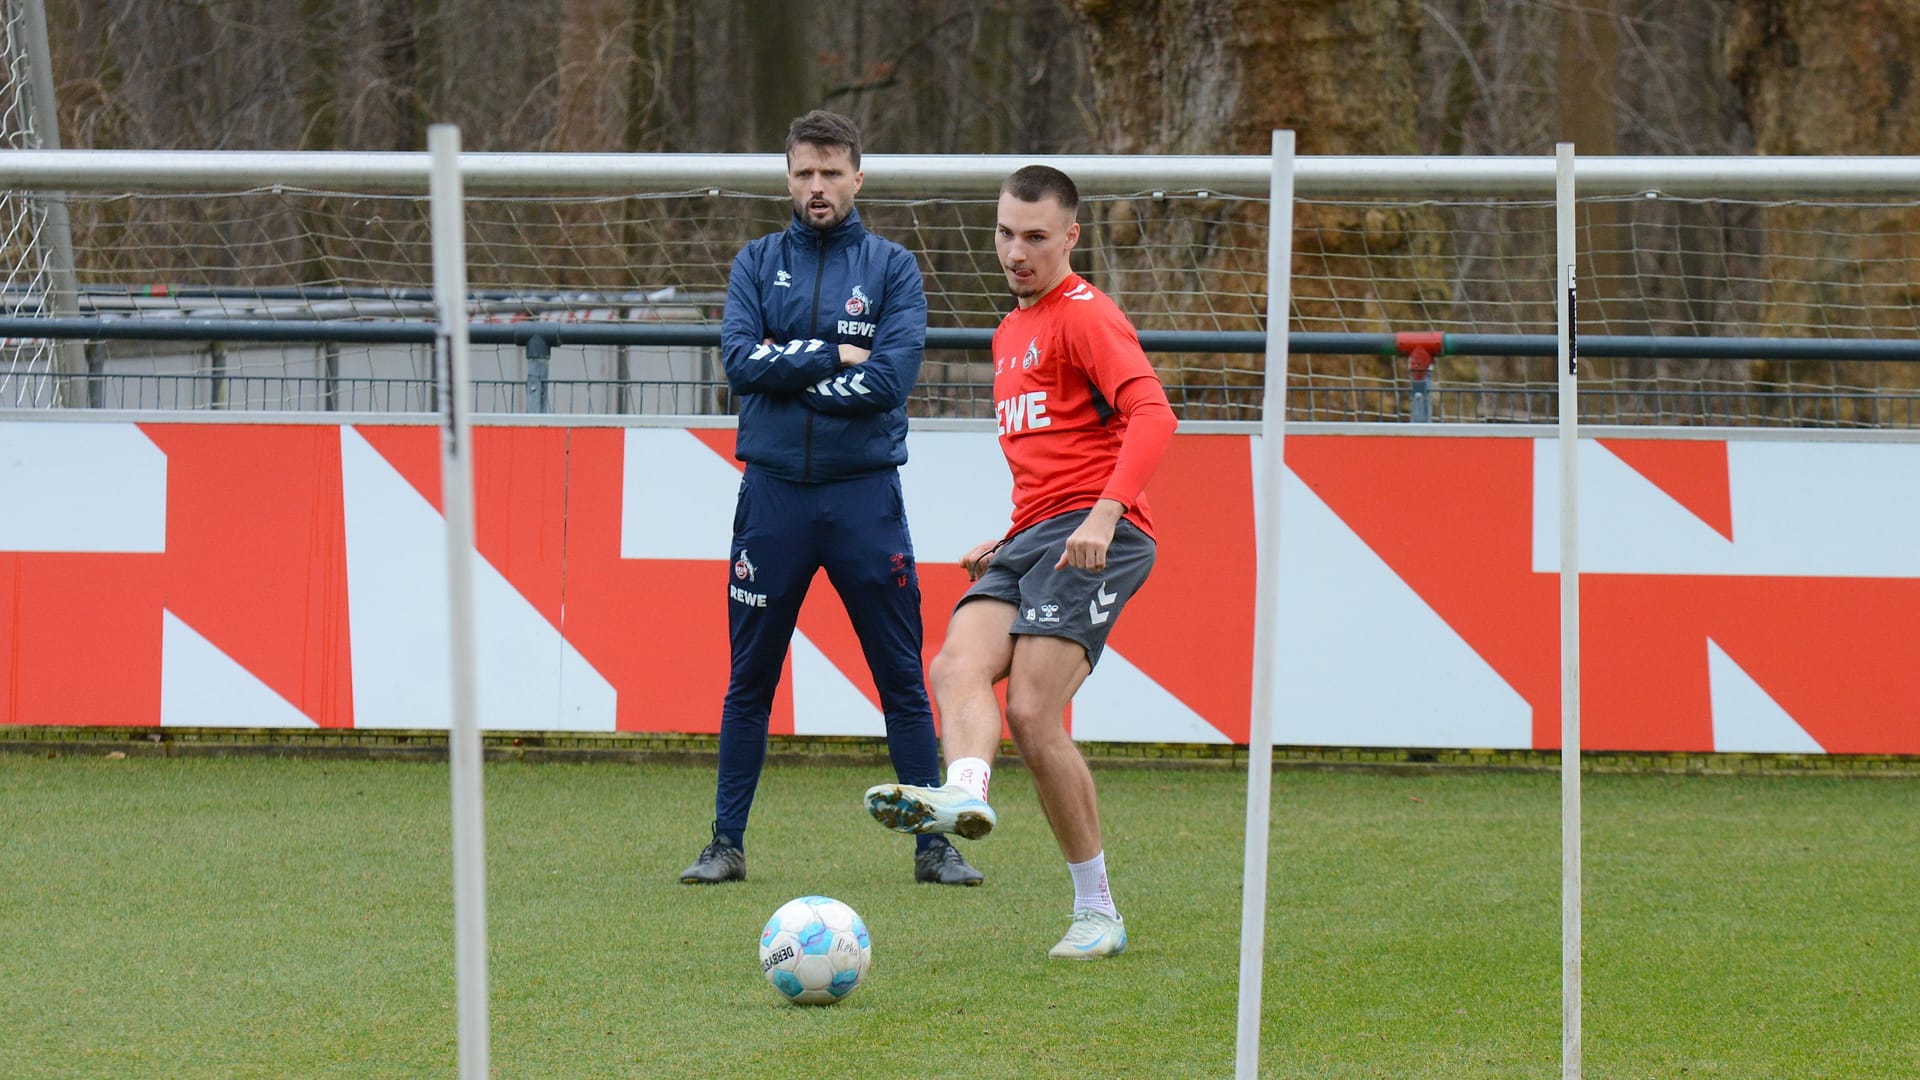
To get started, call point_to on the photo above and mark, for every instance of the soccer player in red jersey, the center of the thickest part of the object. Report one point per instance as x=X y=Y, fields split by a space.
x=1084 y=422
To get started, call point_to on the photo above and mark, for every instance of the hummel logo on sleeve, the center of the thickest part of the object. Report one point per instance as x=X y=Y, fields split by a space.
x=844 y=386
x=770 y=353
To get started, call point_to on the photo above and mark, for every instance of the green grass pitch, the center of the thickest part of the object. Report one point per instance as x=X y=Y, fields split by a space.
x=271 y=917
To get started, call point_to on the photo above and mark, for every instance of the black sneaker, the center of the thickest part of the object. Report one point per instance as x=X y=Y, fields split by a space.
x=941 y=863
x=722 y=860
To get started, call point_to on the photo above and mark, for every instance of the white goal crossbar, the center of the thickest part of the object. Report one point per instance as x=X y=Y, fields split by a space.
x=889 y=175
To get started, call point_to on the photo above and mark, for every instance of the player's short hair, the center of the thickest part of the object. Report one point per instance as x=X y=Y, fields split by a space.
x=828 y=129
x=1036 y=182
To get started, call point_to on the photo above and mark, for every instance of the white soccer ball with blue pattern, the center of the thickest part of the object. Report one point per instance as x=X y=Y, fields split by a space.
x=815 y=950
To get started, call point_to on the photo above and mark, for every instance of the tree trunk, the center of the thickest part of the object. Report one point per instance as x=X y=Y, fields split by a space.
x=1217 y=77
x=1819 y=83
x=594 y=58
x=782 y=74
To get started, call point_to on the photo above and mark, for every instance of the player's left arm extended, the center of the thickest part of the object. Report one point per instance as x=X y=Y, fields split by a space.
x=1150 y=426
x=881 y=379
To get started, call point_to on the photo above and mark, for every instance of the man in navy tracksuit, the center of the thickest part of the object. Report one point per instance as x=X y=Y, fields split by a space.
x=823 y=333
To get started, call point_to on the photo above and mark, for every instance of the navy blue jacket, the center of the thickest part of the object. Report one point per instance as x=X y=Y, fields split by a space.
x=804 y=417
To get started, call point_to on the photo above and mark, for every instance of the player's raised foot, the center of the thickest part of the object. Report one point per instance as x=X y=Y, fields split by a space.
x=721 y=860
x=909 y=808
x=942 y=864
x=1094 y=934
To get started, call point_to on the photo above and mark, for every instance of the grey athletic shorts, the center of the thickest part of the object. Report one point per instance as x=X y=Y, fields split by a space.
x=1080 y=605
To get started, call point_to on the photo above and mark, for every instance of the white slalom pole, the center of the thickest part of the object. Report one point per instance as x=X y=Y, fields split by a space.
x=1569 y=617
x=455 y=386
x=1273 y=428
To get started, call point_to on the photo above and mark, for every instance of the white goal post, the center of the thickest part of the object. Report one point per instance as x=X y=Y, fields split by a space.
x=464 y=757
x=1520 y=277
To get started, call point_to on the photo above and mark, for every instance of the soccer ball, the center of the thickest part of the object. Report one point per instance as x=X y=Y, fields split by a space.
x=815 y=950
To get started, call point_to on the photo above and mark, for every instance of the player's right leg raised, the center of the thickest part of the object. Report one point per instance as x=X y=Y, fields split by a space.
x=910 y=808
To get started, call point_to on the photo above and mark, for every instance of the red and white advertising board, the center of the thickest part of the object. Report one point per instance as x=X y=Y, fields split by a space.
x=1739 y=592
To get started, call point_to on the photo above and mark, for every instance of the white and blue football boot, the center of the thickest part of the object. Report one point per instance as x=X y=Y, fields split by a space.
x=1093 y=935
x=909 y=808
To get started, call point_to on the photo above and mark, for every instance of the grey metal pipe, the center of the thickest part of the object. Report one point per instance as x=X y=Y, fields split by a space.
x=401 y=332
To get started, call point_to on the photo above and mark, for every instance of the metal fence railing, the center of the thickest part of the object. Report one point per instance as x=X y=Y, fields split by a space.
x=1406 y=386
x=1476 y=404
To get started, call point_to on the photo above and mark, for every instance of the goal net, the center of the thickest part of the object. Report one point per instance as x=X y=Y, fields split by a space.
x=26 y=366
x=1679 y=276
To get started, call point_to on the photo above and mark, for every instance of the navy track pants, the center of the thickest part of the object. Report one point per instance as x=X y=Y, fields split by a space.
x=783 y=532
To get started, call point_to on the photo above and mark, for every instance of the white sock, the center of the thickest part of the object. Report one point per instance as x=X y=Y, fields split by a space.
x=1090 y=886
x=972 y=774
